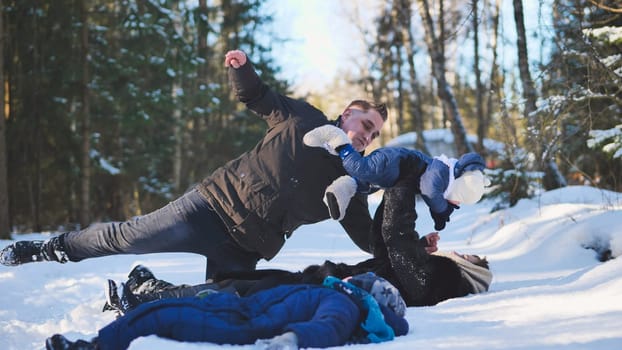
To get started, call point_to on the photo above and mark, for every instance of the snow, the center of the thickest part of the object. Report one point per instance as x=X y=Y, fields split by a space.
x=440 y=141
x=608 y=34
x=548 y=291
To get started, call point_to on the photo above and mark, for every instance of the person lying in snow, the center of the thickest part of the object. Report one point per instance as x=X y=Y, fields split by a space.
x=444 y=183
x=284 y=317
x=455 y=275
x=422 y=278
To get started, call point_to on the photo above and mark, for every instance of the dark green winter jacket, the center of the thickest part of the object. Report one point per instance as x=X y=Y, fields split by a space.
x=271 y=190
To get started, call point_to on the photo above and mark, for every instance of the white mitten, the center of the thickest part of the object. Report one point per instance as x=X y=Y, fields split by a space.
x=285 y=341
x=328 y=136
x=338 y=194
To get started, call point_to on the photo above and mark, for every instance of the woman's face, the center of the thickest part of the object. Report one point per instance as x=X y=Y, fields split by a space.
x=473 y=259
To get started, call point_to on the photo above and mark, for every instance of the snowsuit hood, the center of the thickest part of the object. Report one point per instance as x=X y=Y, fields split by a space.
x=438 y=183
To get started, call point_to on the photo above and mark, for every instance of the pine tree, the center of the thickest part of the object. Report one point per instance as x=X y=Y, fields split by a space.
x=582 y=89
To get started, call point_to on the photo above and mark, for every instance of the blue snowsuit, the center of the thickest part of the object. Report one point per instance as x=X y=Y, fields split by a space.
x=382 y=166
x=320 y=317
x=385 y=166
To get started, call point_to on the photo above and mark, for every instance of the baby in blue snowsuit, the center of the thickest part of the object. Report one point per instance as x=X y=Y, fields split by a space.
x=444 y=182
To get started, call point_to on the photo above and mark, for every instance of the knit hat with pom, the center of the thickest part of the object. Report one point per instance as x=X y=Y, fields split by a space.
x=384 y=292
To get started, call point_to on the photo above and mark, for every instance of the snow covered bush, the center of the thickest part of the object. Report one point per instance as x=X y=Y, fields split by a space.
x=610 y=140
x=513 y=178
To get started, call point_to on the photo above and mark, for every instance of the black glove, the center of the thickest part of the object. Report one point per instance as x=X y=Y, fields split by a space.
x=441 y=218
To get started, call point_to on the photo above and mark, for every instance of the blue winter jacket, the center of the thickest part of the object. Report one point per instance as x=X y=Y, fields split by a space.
x=319 y=316
x=382 y=166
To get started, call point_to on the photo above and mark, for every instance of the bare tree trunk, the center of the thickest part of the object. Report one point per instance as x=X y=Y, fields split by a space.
x=479 y=93
x=415 y=100
x=438 y=70
x=400 y=92
x=553 y=178
x=85 y=178
x=5 y=232
x=446 y=108
x=177 y=123
x=529 y=90
x=494 y=88
x=179 y=141
x=35 y=182
x=200 y=123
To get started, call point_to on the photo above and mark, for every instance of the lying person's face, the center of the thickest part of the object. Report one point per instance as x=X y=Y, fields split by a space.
x=473 y=259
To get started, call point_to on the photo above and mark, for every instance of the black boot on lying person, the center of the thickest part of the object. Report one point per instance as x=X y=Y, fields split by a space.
x=139 y=280
x=141 y=287
x=121 y=300
x=59 y=342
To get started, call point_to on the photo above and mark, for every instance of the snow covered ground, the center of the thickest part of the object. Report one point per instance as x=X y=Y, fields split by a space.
x=548 y=292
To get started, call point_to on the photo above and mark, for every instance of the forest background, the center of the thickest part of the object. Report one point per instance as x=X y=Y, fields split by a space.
x=113 y=108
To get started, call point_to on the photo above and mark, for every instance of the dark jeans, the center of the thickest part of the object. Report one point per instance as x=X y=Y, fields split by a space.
x=187 y=224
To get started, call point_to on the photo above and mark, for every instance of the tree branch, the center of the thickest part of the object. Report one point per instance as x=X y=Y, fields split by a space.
x=605 y=7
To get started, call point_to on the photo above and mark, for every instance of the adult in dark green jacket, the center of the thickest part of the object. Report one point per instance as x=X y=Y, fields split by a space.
x=246 y=209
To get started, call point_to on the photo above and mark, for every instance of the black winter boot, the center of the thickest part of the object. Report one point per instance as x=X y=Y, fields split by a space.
x=23 y=252
x=139 y=275
x=59 y=342
x=113 y=302
x=120 y=300
x=142 y=281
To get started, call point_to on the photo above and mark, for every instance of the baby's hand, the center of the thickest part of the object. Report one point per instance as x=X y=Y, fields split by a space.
x=338 y=195
x=328 y=136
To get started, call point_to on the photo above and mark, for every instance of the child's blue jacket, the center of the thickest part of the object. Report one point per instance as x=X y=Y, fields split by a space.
x=382 y=166
x=320 y=317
